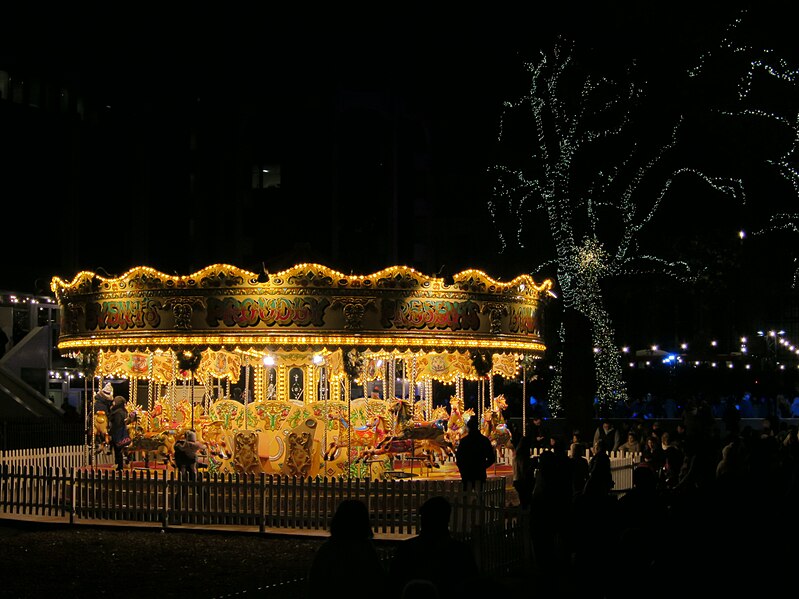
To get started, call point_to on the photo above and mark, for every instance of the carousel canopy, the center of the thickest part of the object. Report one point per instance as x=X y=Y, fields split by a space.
x=307 y=308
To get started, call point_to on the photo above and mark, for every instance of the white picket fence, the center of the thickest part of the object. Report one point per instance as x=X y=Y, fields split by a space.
x=67 y=456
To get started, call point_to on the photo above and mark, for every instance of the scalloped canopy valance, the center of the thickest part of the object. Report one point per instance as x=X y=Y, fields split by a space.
x=308 y=307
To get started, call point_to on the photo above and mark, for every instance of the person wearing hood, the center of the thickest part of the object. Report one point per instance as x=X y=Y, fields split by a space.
x=103 y=399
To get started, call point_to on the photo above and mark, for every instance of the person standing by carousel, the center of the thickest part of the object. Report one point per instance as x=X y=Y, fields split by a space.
x=118 y=424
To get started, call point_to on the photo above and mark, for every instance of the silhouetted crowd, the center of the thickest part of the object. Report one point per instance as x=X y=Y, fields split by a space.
x=709 y=511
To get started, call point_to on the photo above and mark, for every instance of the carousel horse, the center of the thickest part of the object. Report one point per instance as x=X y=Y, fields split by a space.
x=101 y=435
x=493 y=424
x=394 y=447
x=433 y=432
x=360 y=437
x=160 y=445
x=456 y=428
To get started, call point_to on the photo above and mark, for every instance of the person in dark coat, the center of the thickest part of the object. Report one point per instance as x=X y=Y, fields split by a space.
x=118 y=429
x=473 y=456
x=187 y=453
x=103 y=400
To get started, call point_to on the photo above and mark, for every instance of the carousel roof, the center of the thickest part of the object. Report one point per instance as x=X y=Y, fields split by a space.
x=306 y=308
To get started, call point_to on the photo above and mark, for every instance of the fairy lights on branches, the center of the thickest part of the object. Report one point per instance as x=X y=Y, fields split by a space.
x=598 y=181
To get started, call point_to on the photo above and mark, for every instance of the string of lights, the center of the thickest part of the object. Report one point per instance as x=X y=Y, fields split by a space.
x=570 y=130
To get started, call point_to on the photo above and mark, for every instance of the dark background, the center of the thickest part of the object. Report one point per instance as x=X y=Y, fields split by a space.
x=384 y=125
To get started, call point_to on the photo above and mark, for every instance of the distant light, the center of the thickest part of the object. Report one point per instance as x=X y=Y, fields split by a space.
x=714 y=343
x=684 y=346
x=748 y=366
x=266 y=170
x=269 y=360
x=317 y=359
x=654 y=348
x=743 y=339
x=742 y=234
x=625 y=349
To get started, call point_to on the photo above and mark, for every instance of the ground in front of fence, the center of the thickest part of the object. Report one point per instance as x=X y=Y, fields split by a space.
x=127 y=561
x=47 y=560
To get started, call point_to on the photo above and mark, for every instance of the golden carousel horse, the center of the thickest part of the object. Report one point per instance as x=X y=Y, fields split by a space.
x=148 y=436
x=458 y=417
x=430 y=436
x=360 y=437
x=493 y=424
x=101 y=434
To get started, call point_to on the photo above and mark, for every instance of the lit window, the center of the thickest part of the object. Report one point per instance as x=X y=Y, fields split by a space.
x=266 y=176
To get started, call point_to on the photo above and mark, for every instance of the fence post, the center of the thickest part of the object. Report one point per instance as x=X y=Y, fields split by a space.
x=167 y=498
x=262 y=507
x=72 y=495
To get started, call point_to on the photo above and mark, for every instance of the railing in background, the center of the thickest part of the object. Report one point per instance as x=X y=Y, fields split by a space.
x=27 y=433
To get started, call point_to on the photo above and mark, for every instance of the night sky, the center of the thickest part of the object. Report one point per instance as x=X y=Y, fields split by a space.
x=149 y=73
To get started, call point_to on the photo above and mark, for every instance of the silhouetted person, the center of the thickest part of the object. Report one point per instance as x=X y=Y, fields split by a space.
x=538 y=433
x=595 y=536
x=70 y=413
x=348 y=550
x=434 y=555
x=523 y=472
x=473 y=456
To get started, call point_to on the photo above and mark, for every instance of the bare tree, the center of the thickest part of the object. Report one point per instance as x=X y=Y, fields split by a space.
x=588 y=165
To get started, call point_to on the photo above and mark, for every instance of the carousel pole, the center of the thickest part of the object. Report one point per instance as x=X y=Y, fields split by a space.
x=348 y=399
x=87 y=425
x=246 y=393
x=150 y=384
x=524 y=401
x=323 y=396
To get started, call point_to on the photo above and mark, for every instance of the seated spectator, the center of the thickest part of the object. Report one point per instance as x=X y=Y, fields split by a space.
x=632 y=445
x=652 y=454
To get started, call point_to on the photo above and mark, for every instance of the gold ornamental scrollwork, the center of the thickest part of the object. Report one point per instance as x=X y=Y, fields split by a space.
x=495 y=313
x=182 y=309
x=354 y=309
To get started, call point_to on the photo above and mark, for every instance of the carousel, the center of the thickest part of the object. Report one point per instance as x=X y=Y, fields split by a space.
x=306 y=372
